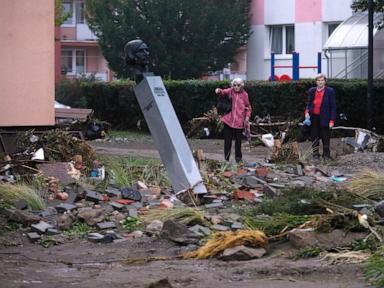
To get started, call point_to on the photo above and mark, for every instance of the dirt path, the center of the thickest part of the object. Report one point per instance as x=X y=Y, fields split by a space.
x=87 y=265
x=80 y=263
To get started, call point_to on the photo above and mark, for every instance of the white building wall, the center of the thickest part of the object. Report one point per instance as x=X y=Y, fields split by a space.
x=308 y=46
x=256 y=66
x=279 y=12
x=336 y=10
x=309 y=37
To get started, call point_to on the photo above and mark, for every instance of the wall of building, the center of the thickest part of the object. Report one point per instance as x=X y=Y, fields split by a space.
x=310 y=19
x=27 y=63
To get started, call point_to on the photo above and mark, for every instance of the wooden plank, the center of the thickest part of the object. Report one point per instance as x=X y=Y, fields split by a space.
x=72 y=113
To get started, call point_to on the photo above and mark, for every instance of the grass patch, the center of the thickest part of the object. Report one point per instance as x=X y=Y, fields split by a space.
x=274 y=225
x=12 y=193
x=125 y=171
x=308 y=201
x=308 y=252
x=78 y=229
x=374 y=268
x=187 y=216
x=130 y=224
x=296 y=201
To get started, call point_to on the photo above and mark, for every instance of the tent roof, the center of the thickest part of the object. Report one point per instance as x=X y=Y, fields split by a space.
x=352 y=33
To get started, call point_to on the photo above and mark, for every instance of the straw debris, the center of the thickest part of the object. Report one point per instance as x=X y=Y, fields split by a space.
x=224 y=240
x=368 y=184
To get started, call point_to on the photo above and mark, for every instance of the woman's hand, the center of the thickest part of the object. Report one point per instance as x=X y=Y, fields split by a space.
x=217 y=90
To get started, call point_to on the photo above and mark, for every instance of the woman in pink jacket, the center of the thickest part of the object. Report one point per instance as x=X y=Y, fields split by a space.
x=238 y=118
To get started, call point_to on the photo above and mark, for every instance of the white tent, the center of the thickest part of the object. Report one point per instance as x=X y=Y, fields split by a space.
x=347 y=48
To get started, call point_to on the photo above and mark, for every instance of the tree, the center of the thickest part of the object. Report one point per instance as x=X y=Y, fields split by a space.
x=185 y=37
x=60 y=17
x=378 y=7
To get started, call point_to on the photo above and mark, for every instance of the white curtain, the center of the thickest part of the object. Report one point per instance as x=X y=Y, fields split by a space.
x=289 y=39
x=276 y=39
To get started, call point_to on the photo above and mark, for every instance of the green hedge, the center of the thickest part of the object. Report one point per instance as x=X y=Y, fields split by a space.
x=115 y=102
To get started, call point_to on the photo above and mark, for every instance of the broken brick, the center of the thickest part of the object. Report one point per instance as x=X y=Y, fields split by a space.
x=261 y=172
x=243 y=195
x=125 y=201
x=227 y=174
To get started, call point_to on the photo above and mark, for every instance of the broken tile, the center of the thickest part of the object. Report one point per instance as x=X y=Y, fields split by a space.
x=33 y=236
x=41 y=227
x=64 y=207
x=52 y=231
x=237 y=225
x=219 y=227
x=93 y=196
x=214 y=205
x=132 y=212
x=205 y=231
x=117 y=205
x=113 y=192
x=106 y=225
x=131 y=194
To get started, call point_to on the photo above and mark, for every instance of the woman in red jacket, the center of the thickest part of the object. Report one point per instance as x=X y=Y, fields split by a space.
x=321 y=110
x=238 y=118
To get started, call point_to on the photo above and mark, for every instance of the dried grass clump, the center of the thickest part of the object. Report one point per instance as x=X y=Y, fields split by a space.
x=186 y=216
x=350 y=257
x=12 y=193
x=224 y=240
x=368 y=184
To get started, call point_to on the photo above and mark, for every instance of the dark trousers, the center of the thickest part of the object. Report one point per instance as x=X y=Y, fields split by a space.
x=229 y=135
x=318 y=133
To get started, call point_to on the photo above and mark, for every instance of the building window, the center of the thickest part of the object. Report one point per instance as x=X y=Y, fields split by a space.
x=68 y=10
x=72 y=61
x=282 y=39
x=76 y=11
x=79 y=12
x=332 y=27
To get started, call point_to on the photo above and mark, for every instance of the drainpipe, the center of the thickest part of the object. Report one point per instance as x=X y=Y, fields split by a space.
x=326 y=54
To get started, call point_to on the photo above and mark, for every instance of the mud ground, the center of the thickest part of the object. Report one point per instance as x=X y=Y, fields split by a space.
x=140 y=262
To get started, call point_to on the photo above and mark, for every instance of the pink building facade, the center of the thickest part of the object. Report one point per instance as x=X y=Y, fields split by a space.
x=80 y=54
x=27 y=61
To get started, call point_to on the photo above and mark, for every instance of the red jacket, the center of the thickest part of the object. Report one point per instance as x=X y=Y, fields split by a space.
x=241 y=108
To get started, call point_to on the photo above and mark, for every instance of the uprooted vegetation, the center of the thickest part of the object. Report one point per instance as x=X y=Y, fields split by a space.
x=250 y=206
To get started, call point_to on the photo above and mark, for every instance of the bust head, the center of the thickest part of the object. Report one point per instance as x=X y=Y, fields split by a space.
x=136 y=53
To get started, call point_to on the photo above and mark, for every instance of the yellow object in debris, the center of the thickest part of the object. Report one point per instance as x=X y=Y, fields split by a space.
x=224 y=240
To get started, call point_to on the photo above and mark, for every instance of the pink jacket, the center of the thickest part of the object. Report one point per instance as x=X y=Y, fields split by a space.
x=241 y=108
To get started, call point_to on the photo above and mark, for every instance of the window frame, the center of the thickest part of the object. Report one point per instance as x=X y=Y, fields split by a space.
x=329 y=24
x=72 y=19
x=283 y=39
x=74 y=61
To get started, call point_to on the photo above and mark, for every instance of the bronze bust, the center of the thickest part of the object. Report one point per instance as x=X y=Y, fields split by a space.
x=136 y=54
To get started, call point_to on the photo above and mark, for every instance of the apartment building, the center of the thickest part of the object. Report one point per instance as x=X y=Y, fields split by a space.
x=278 y=26
x=79 y=54
x=285 y=26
